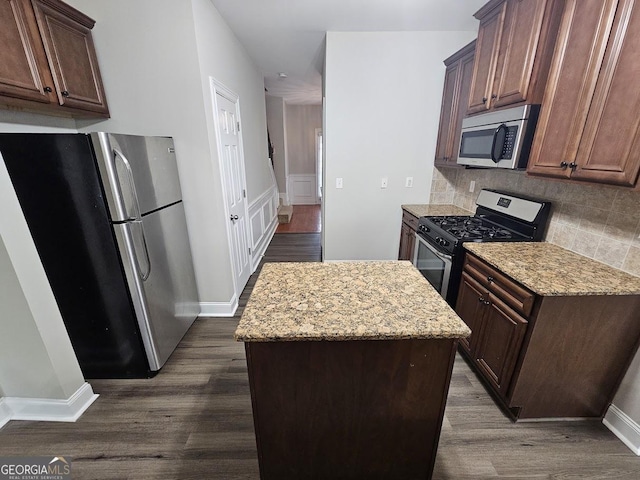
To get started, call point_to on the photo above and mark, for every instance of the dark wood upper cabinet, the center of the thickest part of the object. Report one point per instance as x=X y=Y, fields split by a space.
x=513 y=53
x=24 y=72
x=589 y=123
x=491 y=21
x=455 y=97
x=48 y=57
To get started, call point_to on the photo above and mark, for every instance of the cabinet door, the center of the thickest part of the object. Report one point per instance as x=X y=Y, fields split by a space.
x=577 y=59
x=71 y=53
x=520 y=42
x=470 y=308
x=609 y=151
x=405 y=251
x=489 y=34
x=23 y=65
x=464 y=86
x=443 y=147
x=499 y=343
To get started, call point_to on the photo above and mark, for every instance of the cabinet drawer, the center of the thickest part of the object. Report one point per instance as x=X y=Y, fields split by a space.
x=509 y=291
x=410 y=220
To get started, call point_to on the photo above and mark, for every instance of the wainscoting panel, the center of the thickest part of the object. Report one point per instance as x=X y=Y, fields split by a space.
x=263 y=220
x=302 y=189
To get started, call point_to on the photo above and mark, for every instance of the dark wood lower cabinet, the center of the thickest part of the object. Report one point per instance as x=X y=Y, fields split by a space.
x=546 y=356
x=407 y=236
x=349 y=410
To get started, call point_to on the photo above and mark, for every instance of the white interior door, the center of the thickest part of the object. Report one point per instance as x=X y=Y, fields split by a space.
x=234 y=187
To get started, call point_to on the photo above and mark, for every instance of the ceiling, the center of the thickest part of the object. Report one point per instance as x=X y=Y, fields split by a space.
x=288 y=35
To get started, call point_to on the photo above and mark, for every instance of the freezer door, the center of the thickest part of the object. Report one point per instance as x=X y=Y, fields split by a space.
x=139 y=174
x=161 y=279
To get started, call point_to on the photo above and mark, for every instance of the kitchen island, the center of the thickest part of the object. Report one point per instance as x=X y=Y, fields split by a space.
x=349 y=368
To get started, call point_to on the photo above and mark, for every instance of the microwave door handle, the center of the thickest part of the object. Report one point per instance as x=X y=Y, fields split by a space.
x=497 y=147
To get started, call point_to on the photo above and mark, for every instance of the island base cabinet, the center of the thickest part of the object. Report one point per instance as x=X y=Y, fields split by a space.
x=349 y=409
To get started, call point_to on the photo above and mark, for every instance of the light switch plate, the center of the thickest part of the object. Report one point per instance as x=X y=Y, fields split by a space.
x=408 y=182
x=338 y=182
x=384 y=182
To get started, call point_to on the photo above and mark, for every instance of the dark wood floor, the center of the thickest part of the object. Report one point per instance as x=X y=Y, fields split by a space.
x=305 y=219
x=193 y=420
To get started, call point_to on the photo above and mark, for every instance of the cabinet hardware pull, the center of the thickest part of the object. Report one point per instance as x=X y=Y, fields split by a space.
x=48 y=89
x=487 y=302
x=563 y=165
x=490 y=279
x=494 y=96
x=484 y=99
x=481 y=299
x=64 y=93
x=573 y=165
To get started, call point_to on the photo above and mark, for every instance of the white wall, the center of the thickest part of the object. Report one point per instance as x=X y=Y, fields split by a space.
x=36 y=356
x=383 y=95
x=301 y=122
x=275 y=122
x=156 y=57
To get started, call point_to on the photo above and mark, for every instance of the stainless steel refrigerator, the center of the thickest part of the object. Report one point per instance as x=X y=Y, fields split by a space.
x=106 y=215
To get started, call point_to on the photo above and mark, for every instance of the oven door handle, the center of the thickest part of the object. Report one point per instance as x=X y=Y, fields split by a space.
x=438 y=254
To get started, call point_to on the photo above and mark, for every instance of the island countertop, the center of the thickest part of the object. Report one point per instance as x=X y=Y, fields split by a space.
x=430 y=210
x=340 y=301
x=550 y=270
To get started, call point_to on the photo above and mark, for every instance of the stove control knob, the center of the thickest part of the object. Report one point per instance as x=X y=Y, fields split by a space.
x=444 y=243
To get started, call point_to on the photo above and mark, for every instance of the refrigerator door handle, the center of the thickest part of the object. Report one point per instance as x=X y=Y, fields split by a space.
x=138 y=231
x=132 y=184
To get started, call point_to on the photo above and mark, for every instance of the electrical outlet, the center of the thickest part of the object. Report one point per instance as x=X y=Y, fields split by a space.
x=384 y=182
x=408 y=182
x=338 y=182
x=472 y=186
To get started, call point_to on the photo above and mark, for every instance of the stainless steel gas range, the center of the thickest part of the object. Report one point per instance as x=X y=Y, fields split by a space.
x=499 y=217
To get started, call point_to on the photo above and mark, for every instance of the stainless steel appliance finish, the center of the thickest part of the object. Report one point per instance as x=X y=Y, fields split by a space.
x=140 y=177
x=498 y=139
x=106 y=215
x=500 y=216
x=434 y=265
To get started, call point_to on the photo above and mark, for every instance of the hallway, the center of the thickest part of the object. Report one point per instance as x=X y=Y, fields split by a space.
x=305 y=219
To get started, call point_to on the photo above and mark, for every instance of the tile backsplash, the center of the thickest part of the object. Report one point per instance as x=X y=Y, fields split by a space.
x=598 y=221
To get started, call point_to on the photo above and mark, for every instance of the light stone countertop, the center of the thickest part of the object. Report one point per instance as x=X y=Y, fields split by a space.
x=428 y=210
x=550 y=270
x=345 y=301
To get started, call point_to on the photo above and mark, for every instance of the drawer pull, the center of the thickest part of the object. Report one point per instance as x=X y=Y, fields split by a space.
x=490 y=279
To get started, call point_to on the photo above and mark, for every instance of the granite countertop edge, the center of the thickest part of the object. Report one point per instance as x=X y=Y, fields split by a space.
x=548 y=278
x=435 y=210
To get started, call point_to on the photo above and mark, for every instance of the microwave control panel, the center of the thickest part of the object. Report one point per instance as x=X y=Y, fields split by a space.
x=509 y=142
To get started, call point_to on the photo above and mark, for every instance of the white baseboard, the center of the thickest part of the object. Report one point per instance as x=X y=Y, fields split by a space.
x=219 y=309
x=623 y=427
x=5 y=413
x=49 y=409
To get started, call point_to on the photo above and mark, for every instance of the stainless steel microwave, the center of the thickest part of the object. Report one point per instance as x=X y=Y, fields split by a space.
x=498 y=139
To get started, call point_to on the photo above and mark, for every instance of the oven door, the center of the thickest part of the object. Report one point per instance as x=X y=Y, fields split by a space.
x=434 y=265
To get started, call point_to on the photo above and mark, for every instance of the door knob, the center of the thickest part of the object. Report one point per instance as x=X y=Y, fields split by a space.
x=563 y=165
x=233 y=218
x=48 y=89
x=64 y=93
